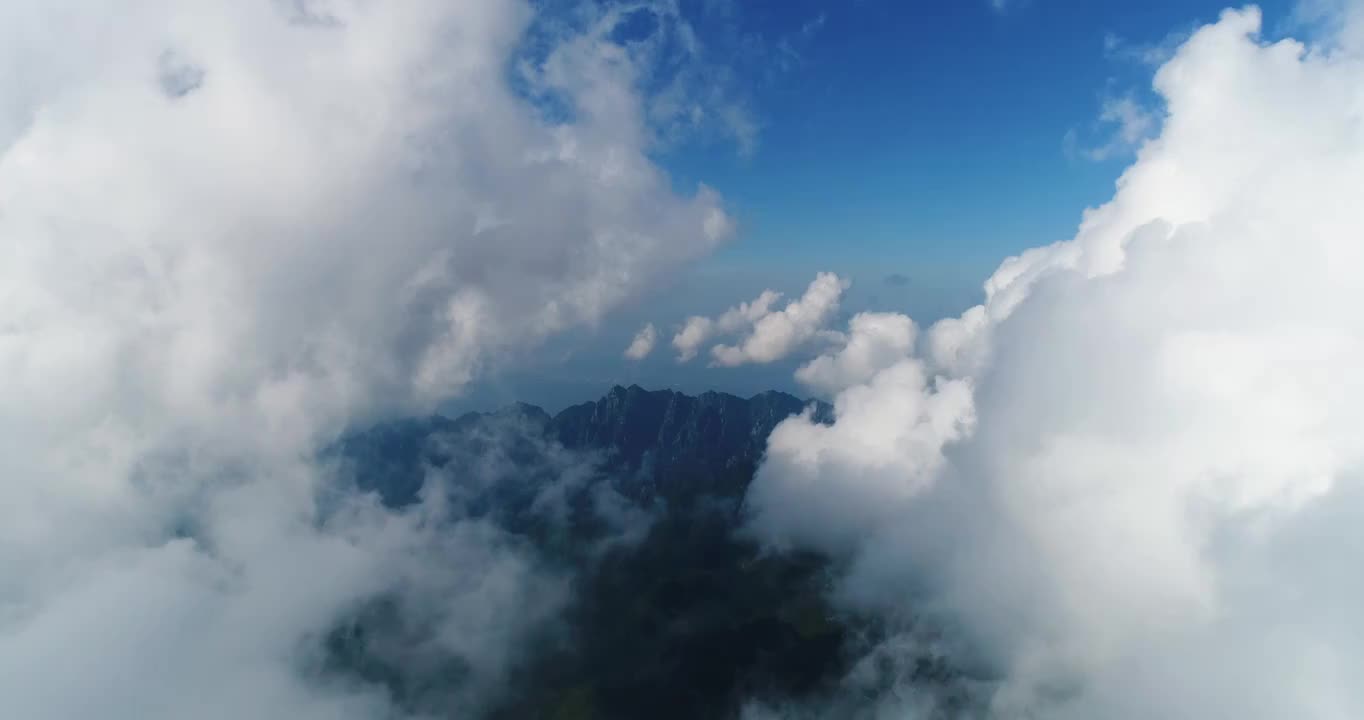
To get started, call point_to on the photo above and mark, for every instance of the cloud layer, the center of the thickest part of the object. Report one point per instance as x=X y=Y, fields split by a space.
x=228 y=233
x=1132 y=476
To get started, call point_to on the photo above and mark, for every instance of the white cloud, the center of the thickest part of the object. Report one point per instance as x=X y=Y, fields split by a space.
x=745 y=315
x=875 y=341
x=1132 y=124
x=697 y=330
x=695 y=91
x=693 y=334
x=775 y=334
x=1339 y=22
x=767 y=334
x=230 y=231
x=643 y=343
x=1134 y=474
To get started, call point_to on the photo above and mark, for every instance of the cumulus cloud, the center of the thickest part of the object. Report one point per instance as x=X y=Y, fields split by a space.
x=1131 y=477
x=231 y=231
x=775 y=334
x=747 y=314
x=874 y=342
x=643 y=343
x=697 y=330
x=692 y=336
x=767 y=335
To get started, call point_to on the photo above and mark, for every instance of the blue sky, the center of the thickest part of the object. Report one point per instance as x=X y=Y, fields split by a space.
x=924 y=139
x=932 y=132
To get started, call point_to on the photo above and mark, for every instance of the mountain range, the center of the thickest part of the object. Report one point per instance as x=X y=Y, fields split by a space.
x=675 y=611
x=659 y=444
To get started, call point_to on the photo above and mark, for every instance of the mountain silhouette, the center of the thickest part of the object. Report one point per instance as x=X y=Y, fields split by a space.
x=688 y=619
x=658 y=444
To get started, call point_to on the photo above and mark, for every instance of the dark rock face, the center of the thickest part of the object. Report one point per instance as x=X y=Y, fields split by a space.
x=689 y=619
x=678 y=446
x=656 y=444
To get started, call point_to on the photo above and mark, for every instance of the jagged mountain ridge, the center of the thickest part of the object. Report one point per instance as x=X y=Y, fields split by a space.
x=691 y=618
x=679 y=444
x=658 y=444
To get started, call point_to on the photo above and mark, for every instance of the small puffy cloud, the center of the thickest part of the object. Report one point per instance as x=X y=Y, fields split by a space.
x=643 y=343
x=767 y=334
x=694 y=333
x=746 y=314
x=775 y=334
x=697 y=330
